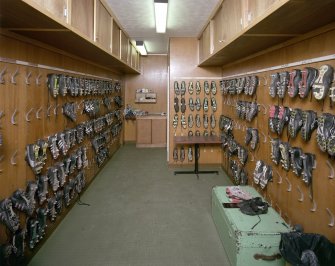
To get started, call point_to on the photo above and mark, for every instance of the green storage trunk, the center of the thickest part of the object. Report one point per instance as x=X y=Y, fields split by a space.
x=246 y=246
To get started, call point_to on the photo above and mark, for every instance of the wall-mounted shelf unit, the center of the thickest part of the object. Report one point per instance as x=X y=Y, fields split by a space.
x=86 y=36
x=259 y=25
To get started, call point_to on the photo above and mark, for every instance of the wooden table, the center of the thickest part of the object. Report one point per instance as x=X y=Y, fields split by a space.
x=196 y=141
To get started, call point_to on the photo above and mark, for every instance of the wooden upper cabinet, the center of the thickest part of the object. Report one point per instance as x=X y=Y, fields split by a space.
x=124 y=47
x=82 y=16
x=231 y=20
x=254 y=9
x=58 y=8
x=204 y=44
x=116 y=40
x=134 y=57
x=103 y=26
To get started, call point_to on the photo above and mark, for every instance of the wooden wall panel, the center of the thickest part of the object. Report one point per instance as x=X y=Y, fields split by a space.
x=82 y=16
x=183 y=66
x=23 y=98
x=292 y=210
x=153 y=76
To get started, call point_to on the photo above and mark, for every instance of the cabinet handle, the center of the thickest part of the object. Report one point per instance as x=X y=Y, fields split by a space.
x=267 y=257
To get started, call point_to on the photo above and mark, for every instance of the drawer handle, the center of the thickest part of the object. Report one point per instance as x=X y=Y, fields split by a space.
x=266 y=257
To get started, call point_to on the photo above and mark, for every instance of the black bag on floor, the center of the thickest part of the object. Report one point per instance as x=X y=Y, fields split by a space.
x=254 y=206
x=302 y=249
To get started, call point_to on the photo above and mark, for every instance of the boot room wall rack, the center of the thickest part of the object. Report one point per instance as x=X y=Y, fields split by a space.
x=278 y=132
x=58 y=128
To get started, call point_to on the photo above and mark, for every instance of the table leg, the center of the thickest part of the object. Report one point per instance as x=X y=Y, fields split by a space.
x=196 y=165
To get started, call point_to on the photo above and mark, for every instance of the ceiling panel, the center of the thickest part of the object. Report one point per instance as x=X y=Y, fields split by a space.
x=186 y=18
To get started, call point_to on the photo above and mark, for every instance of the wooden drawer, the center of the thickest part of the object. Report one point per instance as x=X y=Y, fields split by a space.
x=241 y=237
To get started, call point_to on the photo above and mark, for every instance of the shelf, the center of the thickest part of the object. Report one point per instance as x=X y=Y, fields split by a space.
x=24 y=19
x=284 y=21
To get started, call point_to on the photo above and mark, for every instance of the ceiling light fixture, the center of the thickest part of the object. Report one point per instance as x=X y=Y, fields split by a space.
x=141 y=47
x=161 y=7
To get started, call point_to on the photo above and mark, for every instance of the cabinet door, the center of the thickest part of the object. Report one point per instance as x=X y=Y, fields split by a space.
x=116 y=40
x=58 y=8
x=205 y=44
x=253 y=9
x=158 y=131
x=103 y=26
x=124 y=47
x=143 y=131
x=231 y=20
x=82 y=14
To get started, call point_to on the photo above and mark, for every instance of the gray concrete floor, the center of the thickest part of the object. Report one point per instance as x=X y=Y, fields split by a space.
x=140 y=213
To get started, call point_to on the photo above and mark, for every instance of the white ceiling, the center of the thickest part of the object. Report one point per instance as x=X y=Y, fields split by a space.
x=186 y=18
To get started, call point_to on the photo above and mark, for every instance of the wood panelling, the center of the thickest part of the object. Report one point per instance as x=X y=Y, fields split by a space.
x=286 y=202
x=158 y=129
x=22 y=97
x=183 y=66
x=82 y=16
x=103 y=26
x=143 y=131
x=253 y=9
x=153 y=76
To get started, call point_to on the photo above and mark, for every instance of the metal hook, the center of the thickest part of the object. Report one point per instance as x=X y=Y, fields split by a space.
x=38 y=112
x=13 y=158
x=331 y=216
x=55 y=109
x=48 y=110
x=264 y=137
x=12 y=79
x=80 y=104
x=280 y=178
x=265 y=81
x=28 y=113
x=252 y=156
x=12 y=120
x=27 y=78
x=314 y=207
x=264 y=107
x=301 y=197
x=37 y=80
x=331 y=176
x=289 y=188
x=2 y=73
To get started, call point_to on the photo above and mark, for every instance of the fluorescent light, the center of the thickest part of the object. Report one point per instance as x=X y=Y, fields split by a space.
x=141 y=47
x=161 y=7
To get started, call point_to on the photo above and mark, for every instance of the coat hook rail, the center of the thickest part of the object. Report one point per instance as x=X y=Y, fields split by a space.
x=12 y=79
